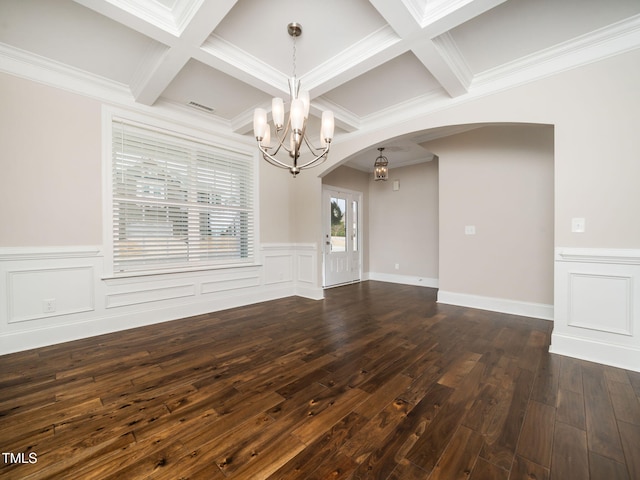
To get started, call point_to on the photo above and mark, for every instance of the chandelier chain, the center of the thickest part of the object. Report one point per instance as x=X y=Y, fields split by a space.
x=294 y=56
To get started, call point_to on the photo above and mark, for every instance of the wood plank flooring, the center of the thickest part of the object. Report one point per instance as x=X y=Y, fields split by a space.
x=377 y=381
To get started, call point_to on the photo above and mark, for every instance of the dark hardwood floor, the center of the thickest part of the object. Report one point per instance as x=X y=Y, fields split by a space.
x=375 y=382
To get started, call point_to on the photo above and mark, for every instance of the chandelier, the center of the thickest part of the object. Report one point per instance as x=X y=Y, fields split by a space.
x=290 y=136
x=380 y=167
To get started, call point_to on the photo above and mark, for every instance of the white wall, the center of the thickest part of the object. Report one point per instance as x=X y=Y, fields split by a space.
x=497 y=181
x=404 y=226
x=53 y=281
x=275 y=204
x=50 y=191
x=595 y=112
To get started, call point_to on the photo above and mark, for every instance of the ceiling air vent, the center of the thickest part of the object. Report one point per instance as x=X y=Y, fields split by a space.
x=199 y=106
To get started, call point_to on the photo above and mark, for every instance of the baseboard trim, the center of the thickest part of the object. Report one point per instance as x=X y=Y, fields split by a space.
x=618 y=356
x=311 y=293
x=502 y=305
x=403 y=279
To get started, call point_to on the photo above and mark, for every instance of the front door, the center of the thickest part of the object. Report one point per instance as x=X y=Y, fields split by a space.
x=342 y=243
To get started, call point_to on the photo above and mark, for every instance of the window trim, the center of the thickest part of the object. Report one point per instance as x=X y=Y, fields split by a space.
x=190 y=132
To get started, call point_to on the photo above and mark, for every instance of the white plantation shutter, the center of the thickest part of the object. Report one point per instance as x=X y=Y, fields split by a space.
x=178 y=202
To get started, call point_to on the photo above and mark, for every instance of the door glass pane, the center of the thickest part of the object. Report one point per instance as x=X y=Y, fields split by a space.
x=338 y=223
x=354 y=227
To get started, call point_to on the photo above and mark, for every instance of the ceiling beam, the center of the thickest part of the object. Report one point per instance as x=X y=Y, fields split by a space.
x=370 y=52
x=446 y=16
x=130 y=19
x=426 y=35
x=407 y=22
x=227 y=58
x=168 y=66
x=192 y=26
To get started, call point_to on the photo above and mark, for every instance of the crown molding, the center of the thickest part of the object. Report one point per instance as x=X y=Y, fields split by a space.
x=453 y=57
x=438 y=9
x=184 y=11
x=417 y=10
x=148 y=67
x=151 y=12
x=243 y=122
x=34 y=67
x=255 y=70
x=345 y=119
x=170 y=20
x=406 y=110
x=42 y=70
x=360 y=52
x=606 y=42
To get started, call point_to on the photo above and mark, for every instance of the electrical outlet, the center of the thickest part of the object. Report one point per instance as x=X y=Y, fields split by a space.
x=577 y=225
x=49 y=305
x=397 y=266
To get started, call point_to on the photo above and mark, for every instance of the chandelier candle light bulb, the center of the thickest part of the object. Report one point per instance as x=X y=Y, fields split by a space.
x=259 y=123
x=295 y=127
x=277 y=111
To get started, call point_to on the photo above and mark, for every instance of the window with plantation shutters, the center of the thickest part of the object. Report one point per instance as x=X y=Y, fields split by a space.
x=177 y=202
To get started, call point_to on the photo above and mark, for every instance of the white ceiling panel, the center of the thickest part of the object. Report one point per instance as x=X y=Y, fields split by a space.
x=199 y=83
x=328 y=27
x=169 y=4
x=398 y=80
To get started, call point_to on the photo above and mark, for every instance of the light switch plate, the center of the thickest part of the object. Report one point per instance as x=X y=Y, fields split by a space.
x=470 y=230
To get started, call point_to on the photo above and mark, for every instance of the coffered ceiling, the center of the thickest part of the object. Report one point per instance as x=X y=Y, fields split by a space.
x=367 y=60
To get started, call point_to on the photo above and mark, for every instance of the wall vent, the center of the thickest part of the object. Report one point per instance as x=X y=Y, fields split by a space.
x=199 y=106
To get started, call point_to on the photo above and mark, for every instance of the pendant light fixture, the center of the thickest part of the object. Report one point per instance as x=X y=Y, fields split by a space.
x=380 y=167
x=290 y=136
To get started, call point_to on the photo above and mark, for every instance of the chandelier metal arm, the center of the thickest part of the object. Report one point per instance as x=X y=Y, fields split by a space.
x=322 y=156
x=313 y=148
x=272 y=160
x=281 y=139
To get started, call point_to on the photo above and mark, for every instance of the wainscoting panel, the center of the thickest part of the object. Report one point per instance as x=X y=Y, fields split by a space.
x=232 y=282
x=54 y=295
x=306 y=271
x=49 y=292
x=601 y=302
x=149 y=295
x=597 y=311
x=278 y=267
